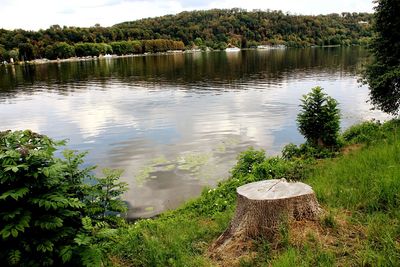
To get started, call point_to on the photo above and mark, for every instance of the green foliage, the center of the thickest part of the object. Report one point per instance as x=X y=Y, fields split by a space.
x=59 y=50
x=362 y=133
x=43 y=215
x=319 y=119
x=162 y=45
x=383 y=74
x=308 y=151
x=284 y=234
x=370 y=132
x=92 y=49
x=38 y=215
x=384 y=85
x=216 y=28
x=102 y=199
x=303 y=257
x=246 y=162
x=126 y=47
x=3 y=54
x=14 y=54
x=26 y=51
x=367 y=182
x=381 y=247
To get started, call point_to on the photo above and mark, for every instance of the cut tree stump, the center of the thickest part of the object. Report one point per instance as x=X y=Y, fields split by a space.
x=263 y=206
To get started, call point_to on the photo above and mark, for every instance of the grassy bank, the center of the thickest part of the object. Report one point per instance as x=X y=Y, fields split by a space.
x=359 y=191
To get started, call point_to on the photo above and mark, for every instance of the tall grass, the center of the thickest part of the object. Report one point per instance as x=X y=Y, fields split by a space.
x=368 y=180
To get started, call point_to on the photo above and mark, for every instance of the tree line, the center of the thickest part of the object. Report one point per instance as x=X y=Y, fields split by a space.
x=219 y=27
x=60 y=50
x=215 y=28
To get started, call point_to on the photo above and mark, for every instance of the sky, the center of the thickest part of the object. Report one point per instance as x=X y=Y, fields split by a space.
x=40 y=14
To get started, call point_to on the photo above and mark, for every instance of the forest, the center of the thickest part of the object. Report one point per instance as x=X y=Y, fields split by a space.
x=215 y=29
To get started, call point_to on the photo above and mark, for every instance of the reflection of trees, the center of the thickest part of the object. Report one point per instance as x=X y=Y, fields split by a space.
x=208 y=69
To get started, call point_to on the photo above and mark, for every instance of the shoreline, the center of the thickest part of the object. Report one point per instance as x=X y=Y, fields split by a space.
x=172 y=52
x=88 y=58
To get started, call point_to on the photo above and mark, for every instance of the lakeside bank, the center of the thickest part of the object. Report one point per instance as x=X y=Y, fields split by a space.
x=358 y=191
x=185 y=51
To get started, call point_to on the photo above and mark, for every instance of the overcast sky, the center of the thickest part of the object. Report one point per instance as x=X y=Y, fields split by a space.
x=40 y=14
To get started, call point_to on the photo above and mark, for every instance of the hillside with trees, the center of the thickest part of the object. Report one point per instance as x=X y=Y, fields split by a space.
x=218 y=27
x=213 y=28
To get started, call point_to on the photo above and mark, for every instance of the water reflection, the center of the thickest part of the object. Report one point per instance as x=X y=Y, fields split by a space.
x=175 y=123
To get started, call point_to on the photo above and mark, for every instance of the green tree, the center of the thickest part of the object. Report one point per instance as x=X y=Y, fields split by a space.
x=60 y=50
x=38 y=215
x=318 y=121
x=383 y=74
x=26 y=51
x=44 y=216
x=3 y=54
x=14 y=54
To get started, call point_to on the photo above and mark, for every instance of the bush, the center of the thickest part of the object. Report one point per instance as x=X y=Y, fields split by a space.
x=247 y=161
x=307 y=151
x=45 y=216
x=370 y=132
x=362 y=133
x=291 y=151
x=319 y=119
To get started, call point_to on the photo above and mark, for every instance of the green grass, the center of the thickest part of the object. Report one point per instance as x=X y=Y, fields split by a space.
x=359 y=192
x=367 y=180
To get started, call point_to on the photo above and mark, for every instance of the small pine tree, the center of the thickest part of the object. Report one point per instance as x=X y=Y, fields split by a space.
x=319 y=119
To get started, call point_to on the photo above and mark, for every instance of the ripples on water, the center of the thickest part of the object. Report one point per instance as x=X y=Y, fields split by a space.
x=176 y=123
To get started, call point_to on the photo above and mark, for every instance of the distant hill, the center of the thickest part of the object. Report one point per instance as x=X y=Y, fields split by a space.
x=215 y=28
x=239 y=27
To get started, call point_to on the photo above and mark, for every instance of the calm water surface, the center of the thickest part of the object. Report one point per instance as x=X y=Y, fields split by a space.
x=175 y=123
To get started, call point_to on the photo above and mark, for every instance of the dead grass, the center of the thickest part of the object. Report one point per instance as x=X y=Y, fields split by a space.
x=351 y=148
x=343 y=240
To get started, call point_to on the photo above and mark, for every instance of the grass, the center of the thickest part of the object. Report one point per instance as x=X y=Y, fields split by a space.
x=359 y=192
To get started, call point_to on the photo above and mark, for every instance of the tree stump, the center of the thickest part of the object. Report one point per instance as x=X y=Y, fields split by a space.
x=263 y=206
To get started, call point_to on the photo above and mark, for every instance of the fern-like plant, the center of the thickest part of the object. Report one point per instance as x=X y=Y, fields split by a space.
x=44 y=207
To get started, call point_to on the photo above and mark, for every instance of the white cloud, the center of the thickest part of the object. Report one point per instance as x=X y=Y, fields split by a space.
x=43 y=13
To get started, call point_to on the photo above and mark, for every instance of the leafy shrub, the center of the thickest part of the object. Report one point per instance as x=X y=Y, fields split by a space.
x=291 y=151
x=319 y=119
x=307 y=151
x=362 y=133
x=44 y=204
x=370 y=131
x=246 y=162
x=103 y=198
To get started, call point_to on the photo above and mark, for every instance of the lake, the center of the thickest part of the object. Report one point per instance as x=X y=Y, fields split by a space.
x=176 y=123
